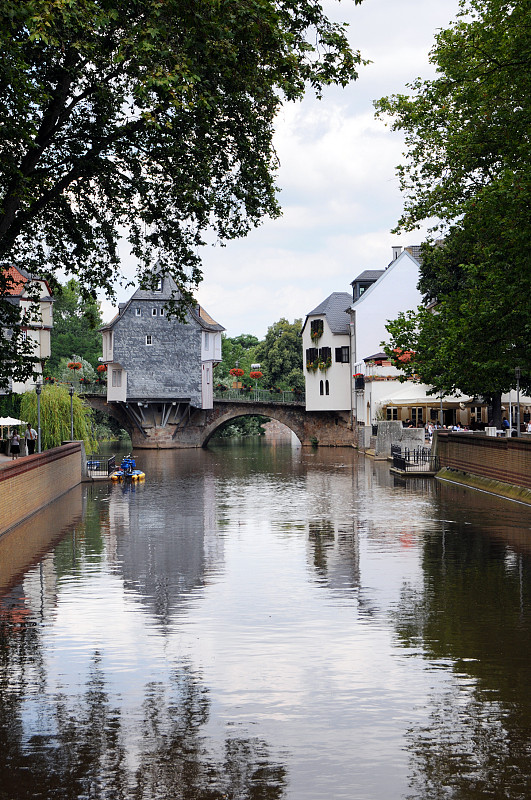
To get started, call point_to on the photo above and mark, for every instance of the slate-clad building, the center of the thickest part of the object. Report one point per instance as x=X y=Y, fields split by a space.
x=156 y=362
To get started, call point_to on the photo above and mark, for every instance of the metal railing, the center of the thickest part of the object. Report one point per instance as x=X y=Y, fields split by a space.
x=98 y=467
x=419 y=459
x=259 y=396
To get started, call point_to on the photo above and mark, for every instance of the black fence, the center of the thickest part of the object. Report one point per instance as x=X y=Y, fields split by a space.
x=98 y=467
x=419 y=459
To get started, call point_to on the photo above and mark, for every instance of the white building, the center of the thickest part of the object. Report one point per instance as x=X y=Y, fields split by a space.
x=33 y=298
x=326 y=352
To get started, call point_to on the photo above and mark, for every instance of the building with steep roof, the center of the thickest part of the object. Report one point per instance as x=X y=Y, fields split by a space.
x=33 y=298
x=157 y=365
x=325 y=341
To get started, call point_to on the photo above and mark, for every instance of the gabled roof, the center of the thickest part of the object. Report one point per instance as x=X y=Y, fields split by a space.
x=334 y=309
x=168 y=292
x=20 y=277
x=368 y=275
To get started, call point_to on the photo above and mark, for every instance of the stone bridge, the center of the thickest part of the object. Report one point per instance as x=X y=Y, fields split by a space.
x=177 y=425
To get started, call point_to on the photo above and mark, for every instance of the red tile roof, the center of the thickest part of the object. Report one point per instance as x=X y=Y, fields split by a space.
x=18 y=281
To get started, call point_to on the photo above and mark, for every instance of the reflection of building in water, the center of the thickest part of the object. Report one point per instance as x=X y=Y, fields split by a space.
x=165 y=548
x=40 y=586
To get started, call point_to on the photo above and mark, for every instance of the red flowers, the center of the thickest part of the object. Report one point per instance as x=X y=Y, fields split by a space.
x=256 y=374
x=74 y=365
x=236 y=372
x=102 y=368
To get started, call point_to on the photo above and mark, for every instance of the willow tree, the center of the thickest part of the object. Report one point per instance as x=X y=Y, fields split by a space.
x=55 y=417
x=468 y=166
x=149 y=120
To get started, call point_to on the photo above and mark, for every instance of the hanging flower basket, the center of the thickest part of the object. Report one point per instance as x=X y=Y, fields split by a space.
x=324 y=365
x=102 y=368
x=75 y=365
x=255 y=374
x=236 y=372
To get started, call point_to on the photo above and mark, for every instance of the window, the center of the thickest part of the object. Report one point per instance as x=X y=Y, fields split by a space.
x=325 y=353
x=206 y=341
x=159 y=286
x=327 y=388
x=321 y=387
x=24 y=335
x=161 y=312
x=416 y=416
x=153 y=312
x=342 y=355
x=149 y=339
x=208 y=375
x=316 y=328
x=117 y=377
x=392 y=413
x=138 y=312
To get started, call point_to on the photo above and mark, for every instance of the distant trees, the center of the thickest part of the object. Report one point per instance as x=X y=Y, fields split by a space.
x=468 y=165
x=280 y=355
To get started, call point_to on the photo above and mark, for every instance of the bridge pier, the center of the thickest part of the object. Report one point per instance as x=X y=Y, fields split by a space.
x=191 y=427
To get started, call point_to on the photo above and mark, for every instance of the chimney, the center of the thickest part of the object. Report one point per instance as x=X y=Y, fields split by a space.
x=397 y=249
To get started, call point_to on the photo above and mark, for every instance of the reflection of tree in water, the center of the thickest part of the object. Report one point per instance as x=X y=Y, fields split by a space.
x=88 y=750
x=474 y=610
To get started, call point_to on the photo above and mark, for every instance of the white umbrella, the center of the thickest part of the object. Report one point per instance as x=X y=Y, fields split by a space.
x=9 y=421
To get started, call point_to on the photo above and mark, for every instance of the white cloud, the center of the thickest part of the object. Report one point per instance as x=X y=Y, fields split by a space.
x=339 y=190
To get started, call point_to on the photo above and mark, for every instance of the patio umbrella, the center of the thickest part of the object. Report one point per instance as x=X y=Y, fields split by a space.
x=9 y=421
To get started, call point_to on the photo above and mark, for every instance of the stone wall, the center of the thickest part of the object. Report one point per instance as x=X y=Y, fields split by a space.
x=169 y=368
x=31 y=483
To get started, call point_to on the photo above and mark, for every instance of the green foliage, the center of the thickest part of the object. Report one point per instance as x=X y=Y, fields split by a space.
x=234 y=349
x=75 y=324
x=147 y=120
x=242 y=426
x=280 y=355
x=469 y=165
x=55 y=417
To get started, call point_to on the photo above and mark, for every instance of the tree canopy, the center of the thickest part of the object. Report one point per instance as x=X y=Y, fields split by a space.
x=149 y=120
x=280 y=355
x=75 y=327
x=468 y=169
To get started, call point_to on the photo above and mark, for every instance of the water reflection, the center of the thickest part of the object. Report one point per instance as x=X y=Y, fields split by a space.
x=269 y=622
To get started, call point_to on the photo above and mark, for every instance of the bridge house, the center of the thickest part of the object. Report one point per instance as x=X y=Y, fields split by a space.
x=159 y=368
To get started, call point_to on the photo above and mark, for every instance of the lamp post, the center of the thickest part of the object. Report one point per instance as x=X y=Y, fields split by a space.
x=517 y=372
x=71 y=393
x=38 y=390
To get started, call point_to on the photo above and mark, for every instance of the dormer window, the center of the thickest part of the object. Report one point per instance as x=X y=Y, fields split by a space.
x=138 y=312
x=161 y=312
x=159 y=286
x=149 y=339
x=153 y=312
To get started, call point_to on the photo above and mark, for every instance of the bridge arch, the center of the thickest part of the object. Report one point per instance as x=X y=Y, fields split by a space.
x=227 y=413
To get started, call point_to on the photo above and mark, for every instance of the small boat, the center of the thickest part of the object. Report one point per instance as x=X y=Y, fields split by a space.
x=128 y=471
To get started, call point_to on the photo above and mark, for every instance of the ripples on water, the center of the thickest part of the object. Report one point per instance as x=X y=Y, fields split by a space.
x=267 y=622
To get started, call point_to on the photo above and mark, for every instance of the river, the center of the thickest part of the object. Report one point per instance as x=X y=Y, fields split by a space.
x=267 y=621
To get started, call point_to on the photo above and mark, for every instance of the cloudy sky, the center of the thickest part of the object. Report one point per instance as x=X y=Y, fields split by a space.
x=339 y=191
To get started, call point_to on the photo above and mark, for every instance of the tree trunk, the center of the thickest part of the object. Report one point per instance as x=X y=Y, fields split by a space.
x=496 y=410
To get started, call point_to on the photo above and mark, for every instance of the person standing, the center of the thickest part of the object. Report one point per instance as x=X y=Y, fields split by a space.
x=15 y=444
x=30 y=435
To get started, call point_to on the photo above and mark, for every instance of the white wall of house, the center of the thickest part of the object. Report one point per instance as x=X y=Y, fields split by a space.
x=38 y=334
x=207 y=391
x=327 y=390
x=116 y=383
x=394 y=291
x=211 y=346
x=107 y=348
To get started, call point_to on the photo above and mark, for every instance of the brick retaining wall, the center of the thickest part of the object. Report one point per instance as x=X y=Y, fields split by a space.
x=28 y=484
x=496 y=459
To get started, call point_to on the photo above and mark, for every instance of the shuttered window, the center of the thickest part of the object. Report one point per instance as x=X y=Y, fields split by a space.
x=342 y=355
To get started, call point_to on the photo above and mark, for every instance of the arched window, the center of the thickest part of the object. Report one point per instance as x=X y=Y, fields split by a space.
x=321 y=388
x=327 y=388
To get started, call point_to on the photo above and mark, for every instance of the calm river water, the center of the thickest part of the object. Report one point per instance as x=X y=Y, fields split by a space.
x=267 y=622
